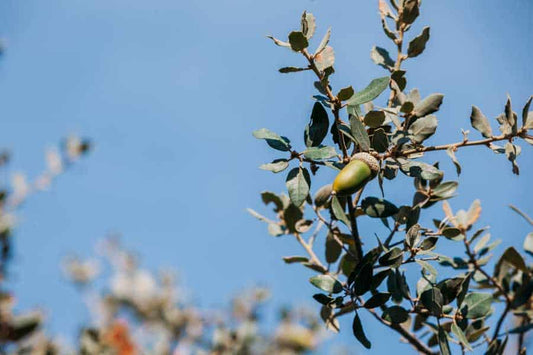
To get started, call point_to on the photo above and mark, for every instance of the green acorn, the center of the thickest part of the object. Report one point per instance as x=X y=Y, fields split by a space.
x=362 y=168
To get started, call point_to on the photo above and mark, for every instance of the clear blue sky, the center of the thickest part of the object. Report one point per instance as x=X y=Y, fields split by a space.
x=170 y=91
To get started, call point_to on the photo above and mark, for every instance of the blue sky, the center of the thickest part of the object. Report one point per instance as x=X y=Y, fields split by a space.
x=170 y=91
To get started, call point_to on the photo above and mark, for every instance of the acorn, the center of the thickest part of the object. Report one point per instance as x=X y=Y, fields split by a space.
x=362 y=168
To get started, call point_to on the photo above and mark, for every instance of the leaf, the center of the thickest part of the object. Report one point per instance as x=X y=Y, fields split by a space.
x=381 y=57
x=446 y=189
x=377 y=300
x=295 y=259
x=333 y=249
x=320 y=153
x=323 y=299
x=325 y=59
x=525 y=114
x=380 y=142
x=275 y=230
x=427 y=266
x=429 y=105
x=460 y=336
x=432 y=300
x=326 y=283
x=308 y=24
x=324 y=42
x=423 y=128
x=359 y=333
x=322 y=195
x=373 y=90
x=418 y=44
x=317 y=129
x=476 y=305
x=363 y=279
x=528 y=244
x=286 y=70
x=374 y=119
x=279 y=43
x=444 y=346
x=512 y=151
x=276 y=166
x=419 y=169
x=338 y=211
x=451 y=154
x=257 y=215
x=270 y=197
x=298 y=41
x=391 y=257
x=410 y=11
x=512 y=257
x=378 y=208
x=345 y=93
x=359 y=133
x=274 y=140
x=298 y=183
x=395 y=315
x=480 y=122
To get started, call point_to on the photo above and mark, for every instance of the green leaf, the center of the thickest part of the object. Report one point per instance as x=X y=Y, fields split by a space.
x=512 y=257
x=298 y=183
x=320 y=153
x=380 y=141
x=326 y=283
x=298 y=41
x=295 y=259
x=429 y=105
x=451 y=154
x=345 y=93
x=427 y=266
x=446 y=189
x=273 y=139
x=373 y=90
x=528 y=244
x=308 y=24
x=460 y=336
x=317 y=129
x=432 y=300
x=418 y=44
x=322 y=195
x=374 y=119
x=391 y=257
x=419 y=169
x=381 y=57
x=363 y=279
x=410 y=11
x=444 y=346
x=377 y=300
x=270 y=197
x=480 y=122
x=378 y=208
x=476 y=305
x=286 y=70
x=359 y=133
x=333 y=249
x=338 y=211
x=276 y=166
x=323 y=299
x=395 y=314
x=359 y=333
x=423 y=128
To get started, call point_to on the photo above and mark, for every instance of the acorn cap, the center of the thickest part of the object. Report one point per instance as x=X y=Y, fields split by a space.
x=372 y=162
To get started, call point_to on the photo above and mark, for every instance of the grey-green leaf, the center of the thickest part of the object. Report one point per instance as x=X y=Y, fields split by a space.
x=359 y=133
x=423 y=128
x=276 y=166
x=480 y=122
x=298 y=183
x=373 y=90
x=461 y=336
x=429 y=105
x=418 y=44
x=320 y=153
x=378 y=208
x=444 y=346
x=324 y=42
x=381 y=57
x=338 y=211
x=476 y=305
x=308 y=24
x=273 y=139
x=326 y=283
